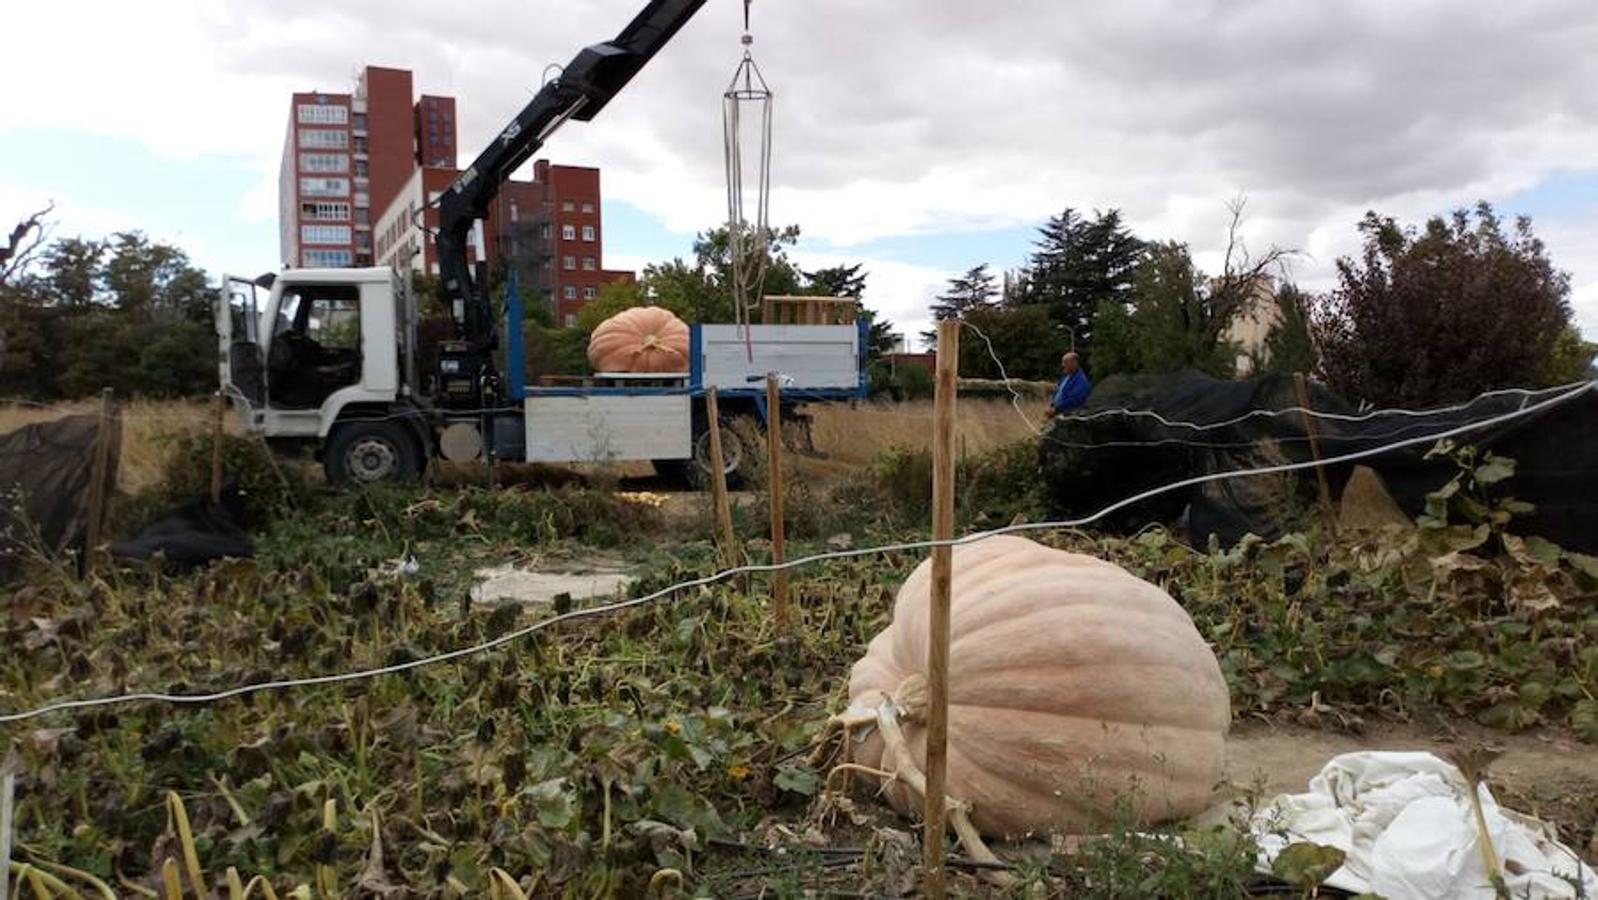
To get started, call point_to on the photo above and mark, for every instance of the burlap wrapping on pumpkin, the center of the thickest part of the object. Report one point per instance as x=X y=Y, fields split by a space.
x=1072 y=684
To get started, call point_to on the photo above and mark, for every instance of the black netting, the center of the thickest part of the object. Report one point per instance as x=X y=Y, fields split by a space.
x=1100 y=455
x=45 y=471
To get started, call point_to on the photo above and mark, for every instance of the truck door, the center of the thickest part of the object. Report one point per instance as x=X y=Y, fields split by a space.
x=238 y=326
x=315 y=348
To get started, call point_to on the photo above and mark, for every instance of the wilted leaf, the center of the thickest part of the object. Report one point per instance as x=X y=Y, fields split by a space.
x=1494 y=470
x=1532 y=593
x=1305 y=865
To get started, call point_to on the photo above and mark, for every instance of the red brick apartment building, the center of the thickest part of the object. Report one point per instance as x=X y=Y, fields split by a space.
x=357 y=168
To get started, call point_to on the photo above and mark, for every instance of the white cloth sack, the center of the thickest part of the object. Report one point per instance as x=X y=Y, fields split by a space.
x=1405 y=822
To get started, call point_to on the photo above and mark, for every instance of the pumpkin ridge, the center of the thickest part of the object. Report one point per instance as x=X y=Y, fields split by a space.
x=1196 y=724
x=1167 y=628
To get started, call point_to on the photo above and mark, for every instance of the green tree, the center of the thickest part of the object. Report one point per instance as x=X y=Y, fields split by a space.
x=1076 y=266
x=1456 y=308
x=1175 y=319
x=1288 y=346
x=837 y=281
x=1571 y=358
x=973 y=290
x=71 y=274
x=144 y=278
x=1025 y=339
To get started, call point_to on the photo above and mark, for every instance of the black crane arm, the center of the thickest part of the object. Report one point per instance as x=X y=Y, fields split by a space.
x=583 y=88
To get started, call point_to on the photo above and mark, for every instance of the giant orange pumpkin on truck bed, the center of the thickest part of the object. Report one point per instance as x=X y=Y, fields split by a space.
x=640 y=339
x=1071 y=682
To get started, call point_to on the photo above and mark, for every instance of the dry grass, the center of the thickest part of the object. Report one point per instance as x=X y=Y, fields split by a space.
x=148 y=427
x=848 y=436
x=861 y=433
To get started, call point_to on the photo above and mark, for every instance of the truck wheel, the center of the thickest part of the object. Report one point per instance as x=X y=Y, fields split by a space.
x=734 y=455
x=370 y=452
x=695 y=471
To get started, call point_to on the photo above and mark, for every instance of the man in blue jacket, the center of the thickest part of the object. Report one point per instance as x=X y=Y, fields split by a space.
x=1074 y=386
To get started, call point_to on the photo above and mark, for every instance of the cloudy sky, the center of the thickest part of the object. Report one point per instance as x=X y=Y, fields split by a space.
x=918 y=136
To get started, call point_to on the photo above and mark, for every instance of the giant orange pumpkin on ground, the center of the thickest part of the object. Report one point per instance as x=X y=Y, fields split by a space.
x=1071 y=683
x=640 y=339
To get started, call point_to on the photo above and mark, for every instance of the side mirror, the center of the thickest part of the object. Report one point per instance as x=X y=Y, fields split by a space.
x=266 y=280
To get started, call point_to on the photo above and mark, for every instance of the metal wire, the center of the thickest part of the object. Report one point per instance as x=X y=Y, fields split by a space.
x=747 y=243
x=762 y=568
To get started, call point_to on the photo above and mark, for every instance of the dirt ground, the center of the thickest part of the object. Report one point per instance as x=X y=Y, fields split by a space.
x=1544 y=774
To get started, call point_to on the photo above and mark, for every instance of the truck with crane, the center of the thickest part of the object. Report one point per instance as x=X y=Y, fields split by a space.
x=329 y=358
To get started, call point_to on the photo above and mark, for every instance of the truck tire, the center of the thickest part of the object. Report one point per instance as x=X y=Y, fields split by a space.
x=695 y=471
x=371 y=452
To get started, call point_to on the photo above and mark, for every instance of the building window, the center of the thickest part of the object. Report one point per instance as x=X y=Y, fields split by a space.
x=360 y=122
x=568 y=206
x=325 y=187
x=324 y=162
x=571 y=292
x=322 y=114
x=569 y=263
x=327 y=258
x=590 y=292
x=324 y=234
x=588 y=207
x=589 y=264
x=588 y=232
x=324 y=138
x=571 y=320
x=360 y=168
x=547 y=231
x=568 y=233
x=325 y=212
x=360 y=145
x=363 y=241
x=363 y=217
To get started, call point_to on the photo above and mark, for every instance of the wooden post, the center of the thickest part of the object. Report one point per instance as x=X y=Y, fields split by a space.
x=938 y=651
x=1327 y=510
x=216 y=448
x=98 y=474
x=718 y=481
x=779 y=578
x=8 y=790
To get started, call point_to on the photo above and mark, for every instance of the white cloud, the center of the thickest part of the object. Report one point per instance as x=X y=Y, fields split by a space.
x=914 y=116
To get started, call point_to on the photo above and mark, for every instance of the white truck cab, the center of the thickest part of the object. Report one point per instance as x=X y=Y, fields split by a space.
x=323 y=351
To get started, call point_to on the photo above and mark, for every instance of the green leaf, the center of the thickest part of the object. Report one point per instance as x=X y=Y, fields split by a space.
x=552 y=802
x=1584 y=719
x=1544 y=550
x=1305 y=865
x=1587 y=565
x=797 y=779
x=1494 y=470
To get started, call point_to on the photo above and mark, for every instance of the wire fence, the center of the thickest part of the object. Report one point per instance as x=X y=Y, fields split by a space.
x=1525 y=410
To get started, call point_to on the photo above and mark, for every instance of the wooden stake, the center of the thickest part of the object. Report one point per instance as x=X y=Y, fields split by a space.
x=938 y=651
x=718 y=482
x=216 y=448
x=779 y=578
x=1327 y=510
x=98 y=476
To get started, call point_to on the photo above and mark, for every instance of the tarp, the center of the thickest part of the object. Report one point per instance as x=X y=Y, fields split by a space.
x=45 y=474
x=1405 y=823
x=193 y=534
